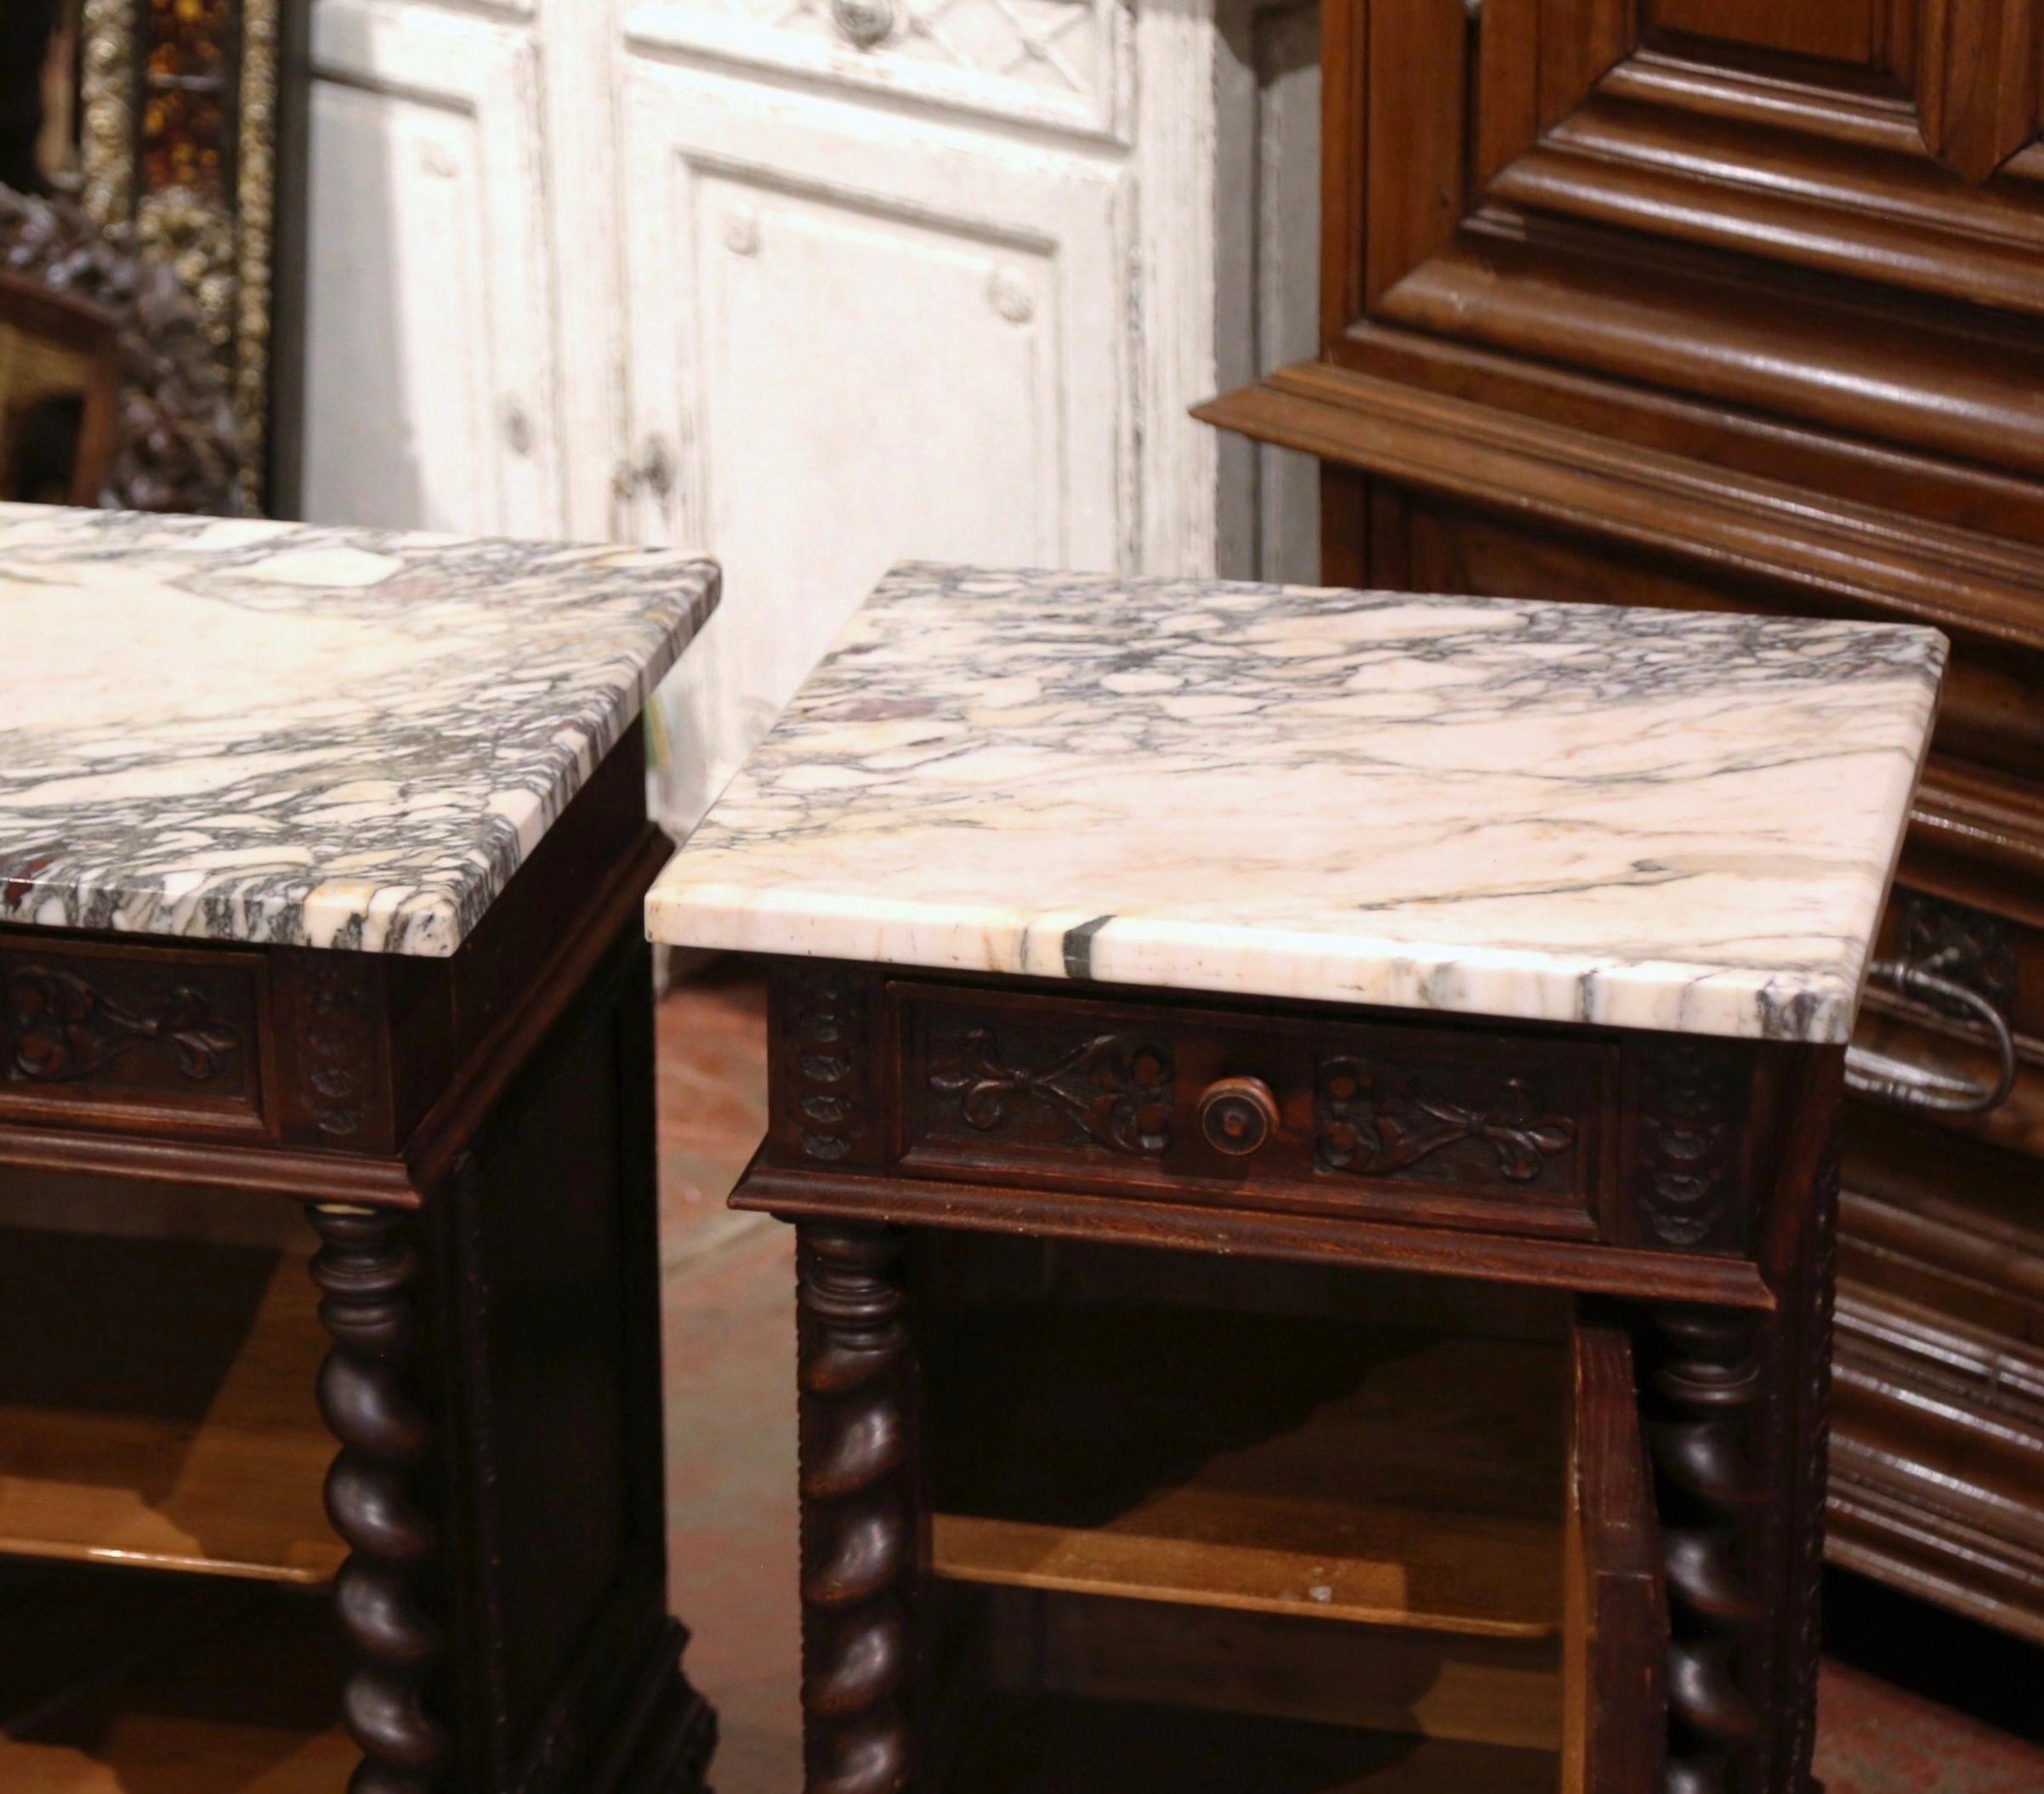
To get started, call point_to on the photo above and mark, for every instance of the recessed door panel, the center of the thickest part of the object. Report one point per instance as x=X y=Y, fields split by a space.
x=896 y=344
x=430 y=355
x=1841 y=30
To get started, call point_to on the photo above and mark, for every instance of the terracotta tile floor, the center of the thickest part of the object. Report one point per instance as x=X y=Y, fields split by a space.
x=730 y=1400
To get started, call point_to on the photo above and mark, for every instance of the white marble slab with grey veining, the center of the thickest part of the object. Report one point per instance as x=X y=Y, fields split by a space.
x=322 y=737
x=1646 y=819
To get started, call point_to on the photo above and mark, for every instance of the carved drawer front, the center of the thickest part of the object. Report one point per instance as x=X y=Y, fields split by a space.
x=1428 y=1121
x=86 y=1028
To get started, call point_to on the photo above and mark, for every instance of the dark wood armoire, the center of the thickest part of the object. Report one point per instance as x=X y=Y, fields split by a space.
x=1741 y=303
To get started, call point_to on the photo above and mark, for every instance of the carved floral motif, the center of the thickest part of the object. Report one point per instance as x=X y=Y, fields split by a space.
x=1374 y=1120
x=63 y=1029
x=1116 y=1089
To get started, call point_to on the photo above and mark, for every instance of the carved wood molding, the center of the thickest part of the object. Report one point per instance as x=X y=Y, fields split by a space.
x=1115 y=1088
x=336 y=1061
x=1808 y=540
x=1970 y=946
x=1374 y=1120
x=1766 y=340
x=365 y=1269
x=1825 y=553
x=826 y=1019
x=63 y=1029
x=857 y=1525
x=1688 y=1186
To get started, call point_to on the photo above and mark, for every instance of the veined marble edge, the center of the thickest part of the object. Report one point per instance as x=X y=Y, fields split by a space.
x=1262 y=963
x=1814 y=1003
x=1870 y=925
x=434 y=908
x=434 y=930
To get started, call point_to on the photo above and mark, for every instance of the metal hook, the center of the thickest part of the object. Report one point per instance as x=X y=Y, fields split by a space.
x=1902 y=1085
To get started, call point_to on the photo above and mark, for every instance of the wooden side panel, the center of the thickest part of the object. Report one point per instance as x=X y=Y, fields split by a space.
x=1840 y=31
x=1414 y=216
x=1614 y=1616
x=545 y=1259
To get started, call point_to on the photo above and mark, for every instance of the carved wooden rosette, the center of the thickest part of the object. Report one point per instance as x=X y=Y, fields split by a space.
x=365 y=1269
x=858 y=1526
x=1700 y=1407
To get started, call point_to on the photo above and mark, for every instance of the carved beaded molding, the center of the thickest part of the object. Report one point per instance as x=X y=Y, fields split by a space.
x=827 y=1025
x=1686 y=1184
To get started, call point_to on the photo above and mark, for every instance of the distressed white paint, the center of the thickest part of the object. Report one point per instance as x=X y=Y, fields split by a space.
x=902 y=339
x=432 y=384
x=974 y=294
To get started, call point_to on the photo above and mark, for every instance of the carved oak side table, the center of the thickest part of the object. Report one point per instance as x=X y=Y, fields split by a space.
x=1310 y=1121
x=321 y=860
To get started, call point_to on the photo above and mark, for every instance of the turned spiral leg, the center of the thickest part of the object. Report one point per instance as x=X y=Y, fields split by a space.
x=857 y=1529
x=1702 y=1395
x=365 y=1270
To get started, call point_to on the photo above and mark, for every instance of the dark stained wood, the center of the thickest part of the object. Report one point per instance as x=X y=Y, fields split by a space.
x=1374 y=1678
x=1736 y=309
x=213 y=1461
x=473 y=1137
x=1060 y=1350
x=366 y=1267
x=1616 y=1631
x=163 y=1035
x=859 y=1546
x=113 y=1683
x=1407 y=1121
x=1333 y=1472
x=1703 y=1399
x=1056 y=1743
x=374 y=1071
x=1303 y=1239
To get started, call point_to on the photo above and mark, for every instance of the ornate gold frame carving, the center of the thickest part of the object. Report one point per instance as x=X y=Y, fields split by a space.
x=222 y=247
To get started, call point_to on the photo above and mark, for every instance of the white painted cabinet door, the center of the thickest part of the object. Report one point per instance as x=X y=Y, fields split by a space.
x=431 y=387
x=856 y=337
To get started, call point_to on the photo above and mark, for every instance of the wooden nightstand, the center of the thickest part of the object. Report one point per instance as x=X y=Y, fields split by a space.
x=1311 y=1120
x=321 y=856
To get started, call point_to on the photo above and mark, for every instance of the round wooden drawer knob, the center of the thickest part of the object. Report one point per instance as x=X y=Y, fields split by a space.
x=1238 y=1116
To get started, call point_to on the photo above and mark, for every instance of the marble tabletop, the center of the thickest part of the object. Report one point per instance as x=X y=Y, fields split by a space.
x=319 y=737
x=1645 y=819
